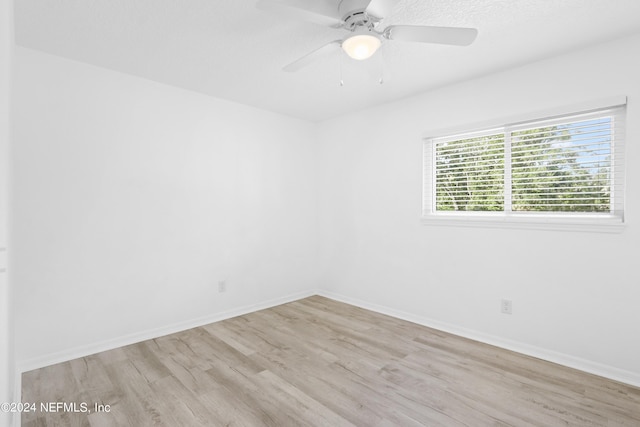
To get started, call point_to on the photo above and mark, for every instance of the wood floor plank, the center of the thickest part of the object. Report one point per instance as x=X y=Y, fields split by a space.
x=318 y=383
x=143 y=356
x=312 y=411
x=319 y=362
x=138 y=406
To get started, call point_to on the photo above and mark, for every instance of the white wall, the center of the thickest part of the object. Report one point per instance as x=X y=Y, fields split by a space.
x=133 y=199
x=575 y=294
x=6 y=329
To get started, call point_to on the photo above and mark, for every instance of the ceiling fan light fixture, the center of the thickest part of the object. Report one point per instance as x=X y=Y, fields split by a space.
x=361 y=46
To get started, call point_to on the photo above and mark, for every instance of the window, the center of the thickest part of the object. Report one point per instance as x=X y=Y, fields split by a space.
x=565 y=170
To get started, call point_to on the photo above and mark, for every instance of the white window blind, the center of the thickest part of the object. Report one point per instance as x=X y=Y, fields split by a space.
x=565 y=167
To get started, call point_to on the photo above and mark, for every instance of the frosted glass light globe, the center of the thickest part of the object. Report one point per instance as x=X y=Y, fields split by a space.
x=361 y=46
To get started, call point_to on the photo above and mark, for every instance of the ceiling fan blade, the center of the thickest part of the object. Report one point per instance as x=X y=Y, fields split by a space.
x=439 y=35
x=380 y=8
x=313 y=56
x=316 y=12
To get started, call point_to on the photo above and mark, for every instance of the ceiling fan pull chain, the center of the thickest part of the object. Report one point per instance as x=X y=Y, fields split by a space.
x=340 y=70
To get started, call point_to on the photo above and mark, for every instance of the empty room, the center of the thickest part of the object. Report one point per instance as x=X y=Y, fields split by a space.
x=319 y=213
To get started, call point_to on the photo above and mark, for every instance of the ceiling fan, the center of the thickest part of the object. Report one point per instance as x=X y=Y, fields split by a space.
x=361 y=18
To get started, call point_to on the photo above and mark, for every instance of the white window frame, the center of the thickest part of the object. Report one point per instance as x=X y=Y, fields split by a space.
x=613 y=222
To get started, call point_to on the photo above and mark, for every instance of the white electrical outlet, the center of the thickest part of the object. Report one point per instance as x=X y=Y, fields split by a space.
x=506 y=306
x=222 y=286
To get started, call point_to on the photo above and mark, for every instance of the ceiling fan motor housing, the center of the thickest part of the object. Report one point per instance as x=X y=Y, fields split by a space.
x=354 y=14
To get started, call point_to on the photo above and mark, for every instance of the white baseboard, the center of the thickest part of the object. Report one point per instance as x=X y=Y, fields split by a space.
x=85 y=350
x=623 y=376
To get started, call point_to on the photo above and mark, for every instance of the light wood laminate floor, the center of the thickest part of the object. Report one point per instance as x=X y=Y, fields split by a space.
x=318 y=362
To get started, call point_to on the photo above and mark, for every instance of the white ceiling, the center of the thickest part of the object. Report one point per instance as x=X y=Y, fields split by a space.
x=230 y=49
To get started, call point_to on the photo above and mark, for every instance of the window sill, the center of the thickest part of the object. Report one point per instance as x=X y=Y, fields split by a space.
x=527 y=222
